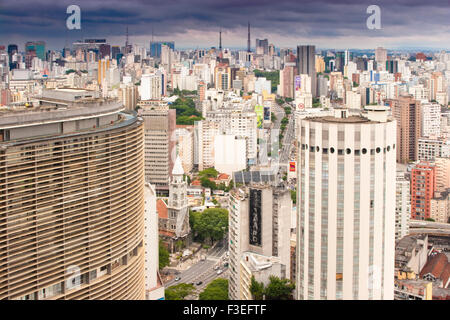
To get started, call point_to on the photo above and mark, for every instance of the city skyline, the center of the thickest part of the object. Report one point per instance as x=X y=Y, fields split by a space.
x=285 y=23
x=201 y=150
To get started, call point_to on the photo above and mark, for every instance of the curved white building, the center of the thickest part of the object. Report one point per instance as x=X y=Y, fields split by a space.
x=346 y=206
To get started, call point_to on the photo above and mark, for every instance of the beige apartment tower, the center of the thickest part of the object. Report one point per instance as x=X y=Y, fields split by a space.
x=406 y=111
x=160 y=141
x=71 y=199
x=346 y=206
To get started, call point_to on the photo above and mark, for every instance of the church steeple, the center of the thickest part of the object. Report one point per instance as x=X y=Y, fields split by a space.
x=177 y=168
x=177 y=187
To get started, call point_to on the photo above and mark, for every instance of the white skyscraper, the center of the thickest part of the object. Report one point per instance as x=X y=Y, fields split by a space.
x=154 y=289
x=229 y=154
x=431 y=119
x=261 y=84
x=402 y=206
x=150 y=88
x=346 y=206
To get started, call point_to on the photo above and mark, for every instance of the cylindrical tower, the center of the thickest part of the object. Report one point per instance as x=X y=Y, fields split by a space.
x=71 y=201
x=346 y=207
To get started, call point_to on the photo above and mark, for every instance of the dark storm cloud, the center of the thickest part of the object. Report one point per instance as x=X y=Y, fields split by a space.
x=281 y=19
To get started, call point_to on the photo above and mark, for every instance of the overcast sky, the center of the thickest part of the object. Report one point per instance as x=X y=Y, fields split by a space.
x=336 y=24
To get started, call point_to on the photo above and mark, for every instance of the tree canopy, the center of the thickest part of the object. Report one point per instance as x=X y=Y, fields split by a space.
x=256 y=289
x=273 y=117
x=179 y=291
x=185 y=110
x=294 y=196
x=208 y=173
x=279 y=289
x=163 y=256
x=211 y=224
x=288 y=110
x=276 y=289
x=216 y=290
x=206 y=183
x=179 y=92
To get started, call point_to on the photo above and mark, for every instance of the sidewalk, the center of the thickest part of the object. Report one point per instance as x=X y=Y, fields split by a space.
x=193 y=259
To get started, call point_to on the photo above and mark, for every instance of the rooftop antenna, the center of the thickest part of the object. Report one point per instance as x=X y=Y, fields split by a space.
x=248 y=40
x=220 y=39
x=65 y=45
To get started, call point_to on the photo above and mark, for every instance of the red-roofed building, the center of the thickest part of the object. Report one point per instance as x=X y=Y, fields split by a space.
x=163 y=218
x=437 y=269
x=421 y=56
x=223 y=178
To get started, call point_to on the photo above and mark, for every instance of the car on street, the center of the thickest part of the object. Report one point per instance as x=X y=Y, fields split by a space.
x=219 y=271
x=216 y=267
x=199 y=283
x=177 y=279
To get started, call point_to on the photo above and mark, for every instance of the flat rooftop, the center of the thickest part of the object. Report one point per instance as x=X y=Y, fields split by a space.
x=56 y=110
x=349 y=119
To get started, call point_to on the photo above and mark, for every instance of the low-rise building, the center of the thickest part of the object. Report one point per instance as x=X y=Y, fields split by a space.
x=411 y=253
x=413 y=290
x=440 y=207
x=437 y=270
x=261 y=268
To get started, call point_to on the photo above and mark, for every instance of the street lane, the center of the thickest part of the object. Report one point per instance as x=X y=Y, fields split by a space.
x=202 y=270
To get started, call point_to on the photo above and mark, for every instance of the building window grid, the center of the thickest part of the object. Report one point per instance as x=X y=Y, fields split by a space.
x=340 y=228
x=324 y=229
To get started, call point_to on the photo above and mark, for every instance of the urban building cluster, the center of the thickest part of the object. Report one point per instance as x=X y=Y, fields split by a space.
x=333 y=168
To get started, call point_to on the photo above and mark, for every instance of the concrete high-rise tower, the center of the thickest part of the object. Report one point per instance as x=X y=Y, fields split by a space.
x=346 y=206
x=160 y=124
x=407 y=112
x=306 y=64
x=72 y=200
x=259 y=223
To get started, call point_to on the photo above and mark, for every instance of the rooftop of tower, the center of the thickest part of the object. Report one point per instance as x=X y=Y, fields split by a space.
x=56 y=105
x=369 y=115
x=350 y=119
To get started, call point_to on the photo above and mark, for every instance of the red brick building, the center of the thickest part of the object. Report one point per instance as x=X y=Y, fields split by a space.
x=423 y=185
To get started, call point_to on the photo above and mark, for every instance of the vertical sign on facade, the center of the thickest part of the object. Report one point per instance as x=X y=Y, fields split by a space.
x=266 y=113
x=259 y=110
x=255 y=217
x=297 y=83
